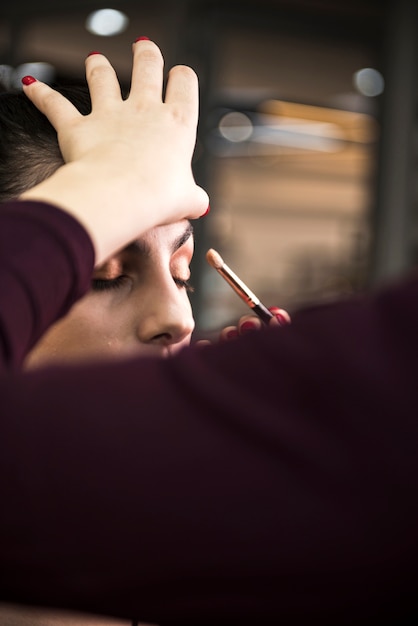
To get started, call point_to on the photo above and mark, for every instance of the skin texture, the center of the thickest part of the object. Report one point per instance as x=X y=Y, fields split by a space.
x=138 y=304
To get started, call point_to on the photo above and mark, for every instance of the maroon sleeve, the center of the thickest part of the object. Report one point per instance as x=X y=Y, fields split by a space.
x=270 y=480
x=46 y=260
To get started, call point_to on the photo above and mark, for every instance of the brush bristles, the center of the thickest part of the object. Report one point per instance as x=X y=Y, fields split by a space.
x=214 y=259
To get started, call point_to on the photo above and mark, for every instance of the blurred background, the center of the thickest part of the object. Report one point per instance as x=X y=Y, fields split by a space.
x=308 y=138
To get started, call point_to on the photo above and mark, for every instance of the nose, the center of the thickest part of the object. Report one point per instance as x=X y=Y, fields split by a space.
x=168 y=320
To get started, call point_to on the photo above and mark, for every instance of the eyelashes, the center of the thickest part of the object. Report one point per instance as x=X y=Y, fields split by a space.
x=184 y=284
x=102 y=284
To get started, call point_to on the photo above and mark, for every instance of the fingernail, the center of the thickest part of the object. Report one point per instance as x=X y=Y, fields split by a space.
x=142 y=39
x=232 y=334
x=248 y=326
x=206 y=212
x=283 y=321
x=281 y=315
x=28 y=80
x=93 y=52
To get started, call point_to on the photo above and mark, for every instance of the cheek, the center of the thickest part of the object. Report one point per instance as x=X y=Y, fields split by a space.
x=85 y=332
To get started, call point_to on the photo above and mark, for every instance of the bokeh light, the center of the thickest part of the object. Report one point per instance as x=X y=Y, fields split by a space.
x=107 y=22
x=236 y=127
x=369 y=82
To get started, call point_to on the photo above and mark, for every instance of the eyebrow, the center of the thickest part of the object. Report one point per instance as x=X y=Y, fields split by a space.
x=142 y=247
x=181 y=239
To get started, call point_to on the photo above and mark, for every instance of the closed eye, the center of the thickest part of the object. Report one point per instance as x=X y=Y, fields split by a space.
x=103 y=284
x=184 y=284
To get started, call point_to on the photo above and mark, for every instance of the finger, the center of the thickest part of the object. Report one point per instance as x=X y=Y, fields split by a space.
x=202 y=342
x=147 y=73
x=281 y=317
x=59 y=111
x=102 y=81
x=183 y=92
x=249 y=323
x=228 y=333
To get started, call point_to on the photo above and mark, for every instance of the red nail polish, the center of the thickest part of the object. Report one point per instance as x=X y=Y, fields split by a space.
x=283 y=321
x=142 y=39
x=248 y=326
x=232 y=334
x=28 y=80
x=206 y=212
x=93 y=52
x=281 y=315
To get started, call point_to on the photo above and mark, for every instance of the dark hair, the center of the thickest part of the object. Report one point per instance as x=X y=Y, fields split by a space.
x=29 y=150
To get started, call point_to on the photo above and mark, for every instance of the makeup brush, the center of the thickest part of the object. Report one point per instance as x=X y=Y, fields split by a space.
x=215 y=260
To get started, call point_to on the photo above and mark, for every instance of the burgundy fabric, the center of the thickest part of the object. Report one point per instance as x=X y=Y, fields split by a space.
x=272 y=479
x=46 y=260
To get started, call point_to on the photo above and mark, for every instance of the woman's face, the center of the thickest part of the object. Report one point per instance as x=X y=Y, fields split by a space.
x=138 y=304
